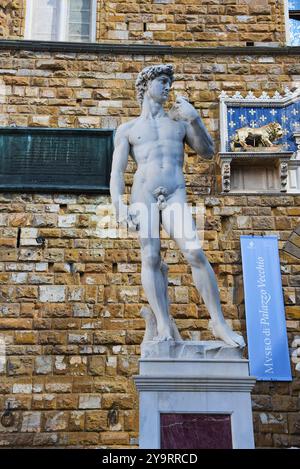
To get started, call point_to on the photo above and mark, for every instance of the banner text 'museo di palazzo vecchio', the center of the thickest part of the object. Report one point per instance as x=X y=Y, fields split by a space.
x=265 y=318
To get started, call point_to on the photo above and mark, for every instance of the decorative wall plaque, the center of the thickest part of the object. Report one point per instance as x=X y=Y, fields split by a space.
x=55 y=159
x=258 y=142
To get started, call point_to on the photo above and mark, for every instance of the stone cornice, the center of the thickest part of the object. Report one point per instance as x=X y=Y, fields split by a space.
x=143 y=49
x=194 y=383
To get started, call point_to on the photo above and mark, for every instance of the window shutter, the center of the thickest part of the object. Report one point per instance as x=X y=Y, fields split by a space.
x=45 y=20
x=79 y=20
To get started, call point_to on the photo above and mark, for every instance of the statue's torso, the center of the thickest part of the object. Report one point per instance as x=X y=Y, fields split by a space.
x=157 y=145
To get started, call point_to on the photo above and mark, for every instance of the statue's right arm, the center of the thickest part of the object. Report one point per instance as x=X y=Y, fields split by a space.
x=119 y=165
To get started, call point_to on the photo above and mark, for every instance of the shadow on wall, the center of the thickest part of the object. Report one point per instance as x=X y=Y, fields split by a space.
x=292 y=246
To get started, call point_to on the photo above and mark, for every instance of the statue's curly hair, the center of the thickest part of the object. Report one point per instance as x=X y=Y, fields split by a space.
x=150 y=73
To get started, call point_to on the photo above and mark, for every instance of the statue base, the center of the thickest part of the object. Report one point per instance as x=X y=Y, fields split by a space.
x=194 y=395
x=195 y=349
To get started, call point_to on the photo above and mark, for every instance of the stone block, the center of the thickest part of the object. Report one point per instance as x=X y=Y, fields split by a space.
x=263 y=223
x=9 y=310
x=56 y=421
x=39 y=121
x=109 y=337
x=120 y=35
x=25 y=337
x=75 y=294
x=90 y=401
x=43 y=401
x=58 y=384
x=51 y=337
x=294 y=423
x=273 y=422
x=95 y=420
x=52 y=293
x=43 y=365
x=19 y=277
x=115 y=438
x=96 y=365
x=295 y=239
x=12 y=323
x=19 y=366
x=78 y=338
x=66 y=221
x=44 y=440
x=122 y=401
x=82 y=310
x=22 y=388
x=76 y=420
x=31 y=422
x=26 y=293
x=67 y=401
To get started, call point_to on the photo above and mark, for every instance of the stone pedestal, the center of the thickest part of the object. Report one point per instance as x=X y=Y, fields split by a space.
x=204 y=379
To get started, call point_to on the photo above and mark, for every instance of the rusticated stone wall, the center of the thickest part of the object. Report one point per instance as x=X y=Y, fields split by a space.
x=194 y=23
x=12 y=14
x=69 y=309
x=69 y=314
x=94 y=90
x=176 y=22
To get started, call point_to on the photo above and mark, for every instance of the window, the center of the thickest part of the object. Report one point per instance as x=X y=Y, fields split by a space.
x=292 y=8
x=61 y=20
x=73 y=160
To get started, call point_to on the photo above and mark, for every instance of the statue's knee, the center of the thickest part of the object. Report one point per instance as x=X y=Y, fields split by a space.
x=196 y=257
x=151 y=259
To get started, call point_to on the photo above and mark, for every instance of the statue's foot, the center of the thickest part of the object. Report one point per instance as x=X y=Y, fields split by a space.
x=222 y=331
x=164 y=333
x=162 y=338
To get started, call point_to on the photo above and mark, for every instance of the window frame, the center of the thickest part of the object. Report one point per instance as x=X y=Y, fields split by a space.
x=287 y=23
x=63 y=22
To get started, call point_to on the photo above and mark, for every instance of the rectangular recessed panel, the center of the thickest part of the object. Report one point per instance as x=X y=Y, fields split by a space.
x=255 y=178
x=195 y=431
x=55 y=159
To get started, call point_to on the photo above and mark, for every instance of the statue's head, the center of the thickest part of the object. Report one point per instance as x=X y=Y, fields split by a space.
x=275 y=131
x=155 y=80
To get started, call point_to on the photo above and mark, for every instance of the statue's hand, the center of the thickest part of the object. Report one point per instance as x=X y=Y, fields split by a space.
x=125 y=217
x=132 y=220
x=122 y=213
x=183 y=110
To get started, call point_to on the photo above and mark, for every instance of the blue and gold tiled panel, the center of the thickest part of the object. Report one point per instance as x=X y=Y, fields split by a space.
x=253 y=116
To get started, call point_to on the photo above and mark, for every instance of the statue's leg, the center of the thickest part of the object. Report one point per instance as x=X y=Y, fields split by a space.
x=243 y=144
x=153 y=280
x=179 y=224
x=175 y=332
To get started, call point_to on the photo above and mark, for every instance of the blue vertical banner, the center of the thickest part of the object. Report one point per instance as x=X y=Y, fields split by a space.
x=265 y=316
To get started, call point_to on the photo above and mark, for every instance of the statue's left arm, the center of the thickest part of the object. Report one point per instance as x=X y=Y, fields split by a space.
x=197 y=136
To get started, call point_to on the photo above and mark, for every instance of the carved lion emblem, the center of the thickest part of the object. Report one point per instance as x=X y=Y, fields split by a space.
x=249 y=138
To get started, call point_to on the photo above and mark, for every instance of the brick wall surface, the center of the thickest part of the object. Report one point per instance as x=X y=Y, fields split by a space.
x=70 y=309
x=176 y=22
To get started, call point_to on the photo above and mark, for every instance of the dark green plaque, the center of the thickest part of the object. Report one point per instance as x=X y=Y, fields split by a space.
x=72 y=160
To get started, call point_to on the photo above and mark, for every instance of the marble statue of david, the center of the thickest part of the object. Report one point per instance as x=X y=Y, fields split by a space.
x=155 y=140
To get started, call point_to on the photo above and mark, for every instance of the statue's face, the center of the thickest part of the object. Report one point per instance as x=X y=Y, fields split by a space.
x=159 y=88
